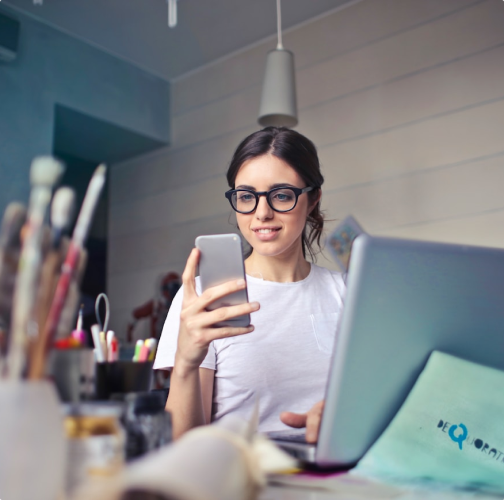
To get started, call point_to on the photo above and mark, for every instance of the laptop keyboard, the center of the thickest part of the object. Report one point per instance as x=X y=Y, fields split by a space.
x=287 y=436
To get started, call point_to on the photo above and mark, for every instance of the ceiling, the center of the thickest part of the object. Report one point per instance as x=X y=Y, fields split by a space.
x=137 y=30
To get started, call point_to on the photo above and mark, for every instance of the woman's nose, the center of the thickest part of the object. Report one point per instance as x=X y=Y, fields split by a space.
x=263 y=210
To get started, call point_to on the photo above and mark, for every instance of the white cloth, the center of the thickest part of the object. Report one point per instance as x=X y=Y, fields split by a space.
x=284 y=361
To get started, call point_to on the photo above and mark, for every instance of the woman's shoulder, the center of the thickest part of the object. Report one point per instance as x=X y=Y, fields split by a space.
x=328 y=277
x=327 y=273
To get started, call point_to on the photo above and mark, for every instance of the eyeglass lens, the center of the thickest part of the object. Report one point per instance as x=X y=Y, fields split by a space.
x=282 y=200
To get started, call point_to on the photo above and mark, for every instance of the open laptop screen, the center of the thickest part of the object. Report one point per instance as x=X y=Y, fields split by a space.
x=404 y=299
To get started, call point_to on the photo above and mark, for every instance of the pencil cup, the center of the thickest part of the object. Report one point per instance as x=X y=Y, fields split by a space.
x=121 y=377
x=32 y=446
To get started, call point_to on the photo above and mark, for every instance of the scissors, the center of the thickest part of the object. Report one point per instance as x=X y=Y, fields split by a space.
x=103 y=326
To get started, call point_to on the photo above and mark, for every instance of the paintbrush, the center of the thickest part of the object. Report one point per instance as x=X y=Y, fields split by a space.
x=44 y=174
x=10 y=245
x=62 y=208
x=69 y=266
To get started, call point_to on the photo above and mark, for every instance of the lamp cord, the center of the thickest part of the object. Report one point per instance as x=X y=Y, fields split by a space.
x=279 y=26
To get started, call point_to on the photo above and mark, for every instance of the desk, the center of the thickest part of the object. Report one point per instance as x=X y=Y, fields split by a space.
x=284 y=493
x=288 y=493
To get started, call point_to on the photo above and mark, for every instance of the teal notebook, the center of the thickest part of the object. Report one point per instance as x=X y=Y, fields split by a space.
x=449 y=430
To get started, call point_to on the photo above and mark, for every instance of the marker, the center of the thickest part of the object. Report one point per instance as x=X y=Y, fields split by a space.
x=144 y=352
x=99 y=354
x=112 y=347
x=152 y=352
x=138 y=348
x=103 y=343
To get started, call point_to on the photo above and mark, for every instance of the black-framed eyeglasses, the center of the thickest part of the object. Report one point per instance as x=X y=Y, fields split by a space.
x=280 y=199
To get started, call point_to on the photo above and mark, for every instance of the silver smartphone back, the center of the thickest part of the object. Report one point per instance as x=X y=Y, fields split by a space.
x=221 y=260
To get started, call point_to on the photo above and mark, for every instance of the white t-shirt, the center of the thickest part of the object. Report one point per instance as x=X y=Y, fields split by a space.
x=284 y=361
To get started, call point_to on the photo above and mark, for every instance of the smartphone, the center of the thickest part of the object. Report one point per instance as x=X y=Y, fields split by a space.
x=221 y=260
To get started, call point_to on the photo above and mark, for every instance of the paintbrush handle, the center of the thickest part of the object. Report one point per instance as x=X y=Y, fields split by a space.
x=37 y=363
x=89 y=206
x=26 y=282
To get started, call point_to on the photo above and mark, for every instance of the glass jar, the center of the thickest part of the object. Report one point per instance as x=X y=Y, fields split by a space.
x=147 y=423
x=95 y=441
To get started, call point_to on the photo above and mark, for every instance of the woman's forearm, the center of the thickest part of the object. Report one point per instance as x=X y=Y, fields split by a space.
x=185 y=401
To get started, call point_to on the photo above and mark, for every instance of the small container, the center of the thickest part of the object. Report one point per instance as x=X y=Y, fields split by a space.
x=121 y=377
x=73 y=372
x=148 y=425
x=95 y=441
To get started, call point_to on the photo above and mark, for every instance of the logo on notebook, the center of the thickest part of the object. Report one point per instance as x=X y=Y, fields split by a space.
x=458 y=438
x=459 y=434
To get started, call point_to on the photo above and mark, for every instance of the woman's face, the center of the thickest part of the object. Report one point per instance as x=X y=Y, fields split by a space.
x=272 y=233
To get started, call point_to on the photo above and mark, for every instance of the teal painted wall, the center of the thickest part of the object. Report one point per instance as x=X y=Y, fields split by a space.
x=51 y=68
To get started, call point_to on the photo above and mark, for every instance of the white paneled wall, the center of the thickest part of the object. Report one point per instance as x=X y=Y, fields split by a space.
x=403 y=98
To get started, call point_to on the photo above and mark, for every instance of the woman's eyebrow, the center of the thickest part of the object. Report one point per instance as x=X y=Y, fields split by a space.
x=272 y=186
x=281 y=184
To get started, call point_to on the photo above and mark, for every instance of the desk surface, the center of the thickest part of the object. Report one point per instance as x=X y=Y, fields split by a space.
x=284 y=493
x=288 y=493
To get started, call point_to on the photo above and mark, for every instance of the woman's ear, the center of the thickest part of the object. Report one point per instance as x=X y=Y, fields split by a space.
x=315 y=201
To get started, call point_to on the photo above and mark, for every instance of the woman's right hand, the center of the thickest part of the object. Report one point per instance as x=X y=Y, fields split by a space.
x=196 y=330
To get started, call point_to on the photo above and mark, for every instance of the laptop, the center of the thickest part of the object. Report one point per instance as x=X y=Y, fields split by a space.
x=404 y=299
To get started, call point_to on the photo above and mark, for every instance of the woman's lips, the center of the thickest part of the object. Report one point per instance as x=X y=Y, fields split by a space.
x=266 y=233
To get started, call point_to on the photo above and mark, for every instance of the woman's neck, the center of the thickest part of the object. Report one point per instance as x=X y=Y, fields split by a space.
x=285 y=268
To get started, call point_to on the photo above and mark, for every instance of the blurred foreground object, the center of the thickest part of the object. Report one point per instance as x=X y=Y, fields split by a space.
x=32 y=451
x=157 y=308
x=222 y=461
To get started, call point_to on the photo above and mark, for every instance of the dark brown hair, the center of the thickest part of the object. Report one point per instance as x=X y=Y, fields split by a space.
x=300 y=153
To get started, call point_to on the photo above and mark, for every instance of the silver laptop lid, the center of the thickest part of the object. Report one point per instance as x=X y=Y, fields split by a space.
x=404 y=299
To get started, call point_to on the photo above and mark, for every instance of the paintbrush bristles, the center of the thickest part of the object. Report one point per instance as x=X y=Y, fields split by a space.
x=62 y=207
x=45 y=171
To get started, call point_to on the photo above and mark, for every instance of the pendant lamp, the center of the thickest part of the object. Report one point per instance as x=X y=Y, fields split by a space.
x=172 y=13
x=278 y=100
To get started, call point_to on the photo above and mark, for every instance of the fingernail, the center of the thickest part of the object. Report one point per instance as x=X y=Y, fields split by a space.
x=240 y=282
x=254 y=305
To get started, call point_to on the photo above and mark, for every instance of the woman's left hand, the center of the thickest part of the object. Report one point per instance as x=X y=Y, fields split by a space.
x=310 y=420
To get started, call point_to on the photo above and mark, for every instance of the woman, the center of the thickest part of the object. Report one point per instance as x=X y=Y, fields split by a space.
x=282 y=360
